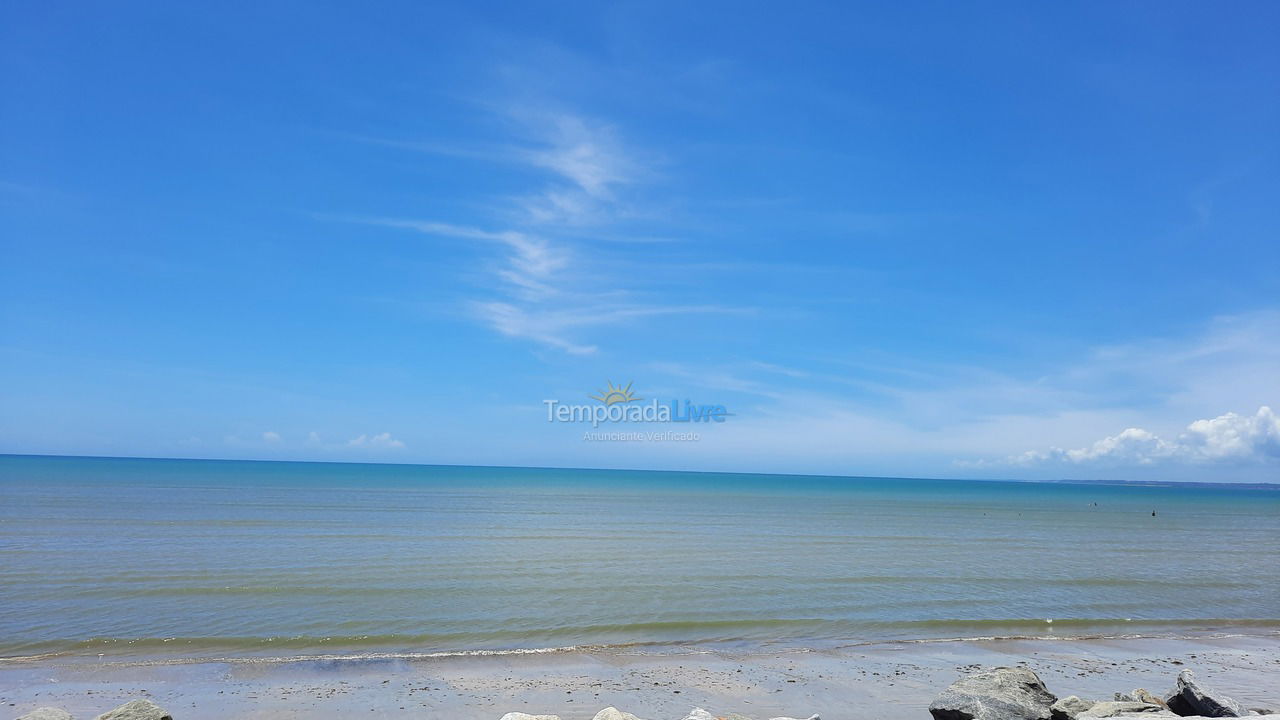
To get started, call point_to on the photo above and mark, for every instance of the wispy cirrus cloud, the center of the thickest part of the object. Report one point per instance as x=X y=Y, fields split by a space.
x=548 y=290
x=585 y=165
x=589 y=163
x=552 y=326
x=532 y=261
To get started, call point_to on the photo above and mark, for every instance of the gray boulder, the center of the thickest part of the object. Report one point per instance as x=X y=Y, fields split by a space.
x=699 y=714
x=137 y=710
x=999 y=694
x=47 y=713
x=1191 y=698
x=1121 y=707
x=613 y=713
x=1069 y=707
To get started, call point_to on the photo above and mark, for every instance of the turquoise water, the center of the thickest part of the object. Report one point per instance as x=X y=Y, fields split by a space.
x=189 y=558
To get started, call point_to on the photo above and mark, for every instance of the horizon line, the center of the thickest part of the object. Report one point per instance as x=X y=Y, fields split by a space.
x=1060 y=481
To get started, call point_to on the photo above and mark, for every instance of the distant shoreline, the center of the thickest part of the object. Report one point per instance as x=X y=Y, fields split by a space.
x=1060 y=481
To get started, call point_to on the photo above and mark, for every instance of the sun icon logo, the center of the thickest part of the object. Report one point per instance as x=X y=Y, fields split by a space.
x=614 y=395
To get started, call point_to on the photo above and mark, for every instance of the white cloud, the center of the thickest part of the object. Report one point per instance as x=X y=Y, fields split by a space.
x=545 y=328
x=313 y=441
x=873 y=414
x=587 y=155
x=1226 y=438
x=553 y=326
x=381 y=441
x=269 y=438
x=1234 y=436
x=532 y=262
x=547 y=291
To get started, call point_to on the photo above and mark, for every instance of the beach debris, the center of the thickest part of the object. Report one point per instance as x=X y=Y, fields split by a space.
x=613 y=713
x=1188 y=697
x=136 y=710
x=1069 y=707
x=47 y=713
x=527 y=716
x=1115 y=708
x=1002 y=693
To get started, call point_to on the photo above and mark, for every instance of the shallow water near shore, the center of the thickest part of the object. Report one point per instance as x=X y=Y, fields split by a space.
x=186 y=559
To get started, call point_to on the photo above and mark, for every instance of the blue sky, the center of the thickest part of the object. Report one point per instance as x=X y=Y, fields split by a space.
x=992 y=240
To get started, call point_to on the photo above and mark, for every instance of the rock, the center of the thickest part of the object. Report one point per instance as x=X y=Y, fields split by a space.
x=136 y=710
x=1120 y=707
x=811 y=717
x=613 y=713
x=699 y=714
x=527 y=716
x=1141 y=695
x=47 y=713
x=1190 y=698
x=1069 y=707
x=999 y=694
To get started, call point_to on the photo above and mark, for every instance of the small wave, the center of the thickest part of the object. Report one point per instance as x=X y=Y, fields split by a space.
x=318 y=657
x=187 y=651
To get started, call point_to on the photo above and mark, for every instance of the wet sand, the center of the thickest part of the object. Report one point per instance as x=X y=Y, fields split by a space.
x=868 y=682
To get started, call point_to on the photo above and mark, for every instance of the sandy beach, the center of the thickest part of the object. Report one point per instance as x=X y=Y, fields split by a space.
x=889 y=681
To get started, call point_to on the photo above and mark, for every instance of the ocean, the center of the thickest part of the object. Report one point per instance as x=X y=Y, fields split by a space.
x=135 y=558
